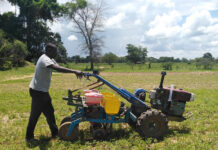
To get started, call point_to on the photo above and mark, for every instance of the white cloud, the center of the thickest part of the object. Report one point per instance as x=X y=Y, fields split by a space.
x=72 y=38
x=6 y=7
x=165 y=25
x=56 y=26
x=63 y=1
x=70 y=25
x=138 y=22
x=197 y=22
x=115 y=21
x=165 y=3
x=166 y=35
x=129 y=7
x=207 y=6
x=167 y=19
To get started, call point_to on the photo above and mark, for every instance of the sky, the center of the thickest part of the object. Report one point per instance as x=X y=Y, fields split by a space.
x=174 y=28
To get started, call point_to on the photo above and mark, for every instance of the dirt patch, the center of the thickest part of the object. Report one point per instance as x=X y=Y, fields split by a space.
x=18 y=77
x=5 y=119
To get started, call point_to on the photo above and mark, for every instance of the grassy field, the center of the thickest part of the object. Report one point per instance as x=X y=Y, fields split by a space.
x=155 y=67
x=199 y=131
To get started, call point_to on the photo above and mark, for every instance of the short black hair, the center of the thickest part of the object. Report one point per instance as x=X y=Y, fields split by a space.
x=50 y=46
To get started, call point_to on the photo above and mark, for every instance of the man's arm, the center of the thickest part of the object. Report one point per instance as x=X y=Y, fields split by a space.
x=66 y=70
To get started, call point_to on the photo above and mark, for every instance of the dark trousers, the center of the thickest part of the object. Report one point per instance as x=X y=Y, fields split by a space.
x=41 y=103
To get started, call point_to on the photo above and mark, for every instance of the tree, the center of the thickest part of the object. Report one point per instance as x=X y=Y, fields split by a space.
x=89 y=22
x=185 y=60
x=33 y=15
x=152 y=59
x=166 y=59
x=208 y=56
x=76 y=59
x=205 y=62
x=136 y=54
x=167 y=65
x=11 y=25
x=216 y=60
x=110 y=58
x=122 y=59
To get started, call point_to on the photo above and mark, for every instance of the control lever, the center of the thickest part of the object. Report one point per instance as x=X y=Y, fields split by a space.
x=163 y=73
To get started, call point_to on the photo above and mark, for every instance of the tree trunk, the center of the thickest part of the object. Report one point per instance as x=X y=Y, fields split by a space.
x=91 y=59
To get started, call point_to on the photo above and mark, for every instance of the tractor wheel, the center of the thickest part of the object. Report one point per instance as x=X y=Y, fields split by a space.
x=66 y=119
x=99 y=134
x=152 y=123
x=132 y=123
x=64 y=129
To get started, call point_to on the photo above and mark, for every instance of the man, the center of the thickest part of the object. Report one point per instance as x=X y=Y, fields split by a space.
x=39 y=86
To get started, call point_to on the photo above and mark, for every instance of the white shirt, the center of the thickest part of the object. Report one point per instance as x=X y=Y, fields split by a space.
x=42 y=76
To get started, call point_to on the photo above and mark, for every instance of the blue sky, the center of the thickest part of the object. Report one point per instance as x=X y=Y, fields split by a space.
x=178 y=28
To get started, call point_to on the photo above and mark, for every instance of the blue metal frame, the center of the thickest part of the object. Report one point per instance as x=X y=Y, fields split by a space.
x=79 y=116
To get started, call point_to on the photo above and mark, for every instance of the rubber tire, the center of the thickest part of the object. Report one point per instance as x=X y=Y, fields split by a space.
x=152 y=123
x=64 y=129
x=66 y=119
x=132 y=123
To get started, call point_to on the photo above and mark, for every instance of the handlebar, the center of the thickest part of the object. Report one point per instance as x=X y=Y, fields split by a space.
x=87 y=74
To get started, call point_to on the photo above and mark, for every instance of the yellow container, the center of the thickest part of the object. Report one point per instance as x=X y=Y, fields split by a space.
x=107 y=94
x=111 y=103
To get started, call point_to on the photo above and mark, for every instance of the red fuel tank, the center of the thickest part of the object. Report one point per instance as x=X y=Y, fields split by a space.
x=177 y=95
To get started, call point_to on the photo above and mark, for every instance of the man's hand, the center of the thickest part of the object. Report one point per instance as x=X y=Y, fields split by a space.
x=79 y=74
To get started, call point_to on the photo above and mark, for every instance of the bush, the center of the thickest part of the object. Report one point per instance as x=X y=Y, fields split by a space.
x=19 y=53
x=204 y=63
x=167 y=66
x=12 y=54
x=109 y=58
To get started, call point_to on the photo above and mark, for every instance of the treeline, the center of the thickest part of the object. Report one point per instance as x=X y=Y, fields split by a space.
x=207 y=61
x=113 y=58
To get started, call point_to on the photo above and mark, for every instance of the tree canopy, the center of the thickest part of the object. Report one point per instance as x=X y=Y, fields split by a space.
x=110 y=58
x=136 y=54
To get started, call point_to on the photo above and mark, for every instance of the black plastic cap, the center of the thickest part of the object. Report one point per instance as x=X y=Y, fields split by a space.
x=163 y=73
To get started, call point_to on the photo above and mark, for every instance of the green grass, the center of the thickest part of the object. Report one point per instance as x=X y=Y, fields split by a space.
x=199 y=131
x=18 y=72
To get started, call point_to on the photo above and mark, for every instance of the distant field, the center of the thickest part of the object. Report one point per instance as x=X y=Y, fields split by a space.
x=155 y=67
x=199 y=131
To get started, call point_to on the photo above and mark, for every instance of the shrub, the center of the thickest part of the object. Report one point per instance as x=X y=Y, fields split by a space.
x=12 y=54
x=19 y=53
x=167 y=66
x=204 y=63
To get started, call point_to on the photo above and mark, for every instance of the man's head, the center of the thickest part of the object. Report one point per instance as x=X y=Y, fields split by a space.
x=51 y=50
